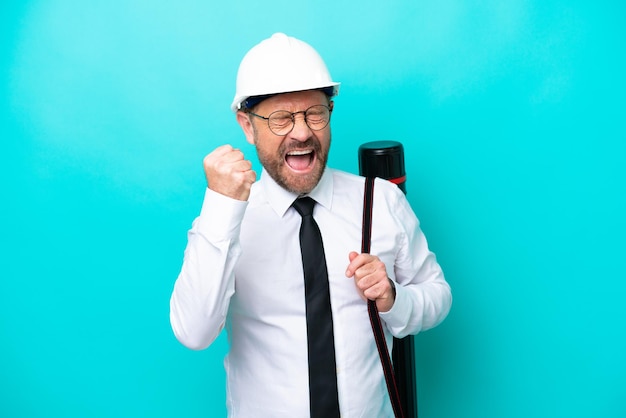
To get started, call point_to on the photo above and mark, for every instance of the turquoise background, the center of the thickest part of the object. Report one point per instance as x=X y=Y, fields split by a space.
x=513 y=119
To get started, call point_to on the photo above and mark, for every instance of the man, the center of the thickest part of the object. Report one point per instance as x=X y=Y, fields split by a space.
x=243 y=267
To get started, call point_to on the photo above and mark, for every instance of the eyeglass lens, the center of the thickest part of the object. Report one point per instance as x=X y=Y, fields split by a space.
x=282 y=122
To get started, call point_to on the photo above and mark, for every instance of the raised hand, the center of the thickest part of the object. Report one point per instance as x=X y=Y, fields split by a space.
x=229 y=173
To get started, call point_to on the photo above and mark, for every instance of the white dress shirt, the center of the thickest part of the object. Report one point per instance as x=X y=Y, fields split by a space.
x=242 y=270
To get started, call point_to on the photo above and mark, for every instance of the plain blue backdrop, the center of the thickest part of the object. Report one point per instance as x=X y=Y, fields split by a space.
x=513 y=120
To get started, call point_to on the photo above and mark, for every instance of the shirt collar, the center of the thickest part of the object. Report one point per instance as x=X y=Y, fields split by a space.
x=280 y=200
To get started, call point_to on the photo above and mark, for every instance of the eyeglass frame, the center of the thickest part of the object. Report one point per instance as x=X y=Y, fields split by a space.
x=293 y=118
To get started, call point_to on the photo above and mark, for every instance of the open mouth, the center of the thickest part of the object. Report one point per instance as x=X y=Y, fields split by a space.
x=300 y=160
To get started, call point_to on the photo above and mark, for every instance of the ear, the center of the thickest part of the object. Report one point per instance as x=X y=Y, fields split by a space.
x=246 y=126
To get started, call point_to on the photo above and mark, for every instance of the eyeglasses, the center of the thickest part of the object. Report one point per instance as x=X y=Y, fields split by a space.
x=281 y=122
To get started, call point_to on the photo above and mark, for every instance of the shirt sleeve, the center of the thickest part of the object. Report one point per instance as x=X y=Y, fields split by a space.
x=423 y=296
x=206 y=282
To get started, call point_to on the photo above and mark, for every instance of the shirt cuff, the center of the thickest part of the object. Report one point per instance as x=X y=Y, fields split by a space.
x=396 y=317
x=220 y=216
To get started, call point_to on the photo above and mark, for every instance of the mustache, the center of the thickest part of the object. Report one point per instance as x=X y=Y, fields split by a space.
x=311 y=143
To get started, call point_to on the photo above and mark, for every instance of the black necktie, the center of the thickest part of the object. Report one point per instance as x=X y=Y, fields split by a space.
x=324 y=401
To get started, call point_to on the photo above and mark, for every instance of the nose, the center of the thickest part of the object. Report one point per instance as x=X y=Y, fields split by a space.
x=301 y=130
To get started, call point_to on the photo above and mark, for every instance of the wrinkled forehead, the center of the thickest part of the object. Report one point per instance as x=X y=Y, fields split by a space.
x=320 y=96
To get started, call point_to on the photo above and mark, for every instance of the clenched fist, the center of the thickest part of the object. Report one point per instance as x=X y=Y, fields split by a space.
x=229 y=173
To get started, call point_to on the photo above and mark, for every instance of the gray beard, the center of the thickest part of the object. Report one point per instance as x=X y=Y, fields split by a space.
x=305 y=184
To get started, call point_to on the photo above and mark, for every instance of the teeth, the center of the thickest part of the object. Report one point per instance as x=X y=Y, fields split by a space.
x=300 y=152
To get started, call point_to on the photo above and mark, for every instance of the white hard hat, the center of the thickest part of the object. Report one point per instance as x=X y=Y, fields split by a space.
x=281 y=64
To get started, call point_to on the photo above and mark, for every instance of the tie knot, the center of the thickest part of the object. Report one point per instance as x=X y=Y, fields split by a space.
x=304 y=206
